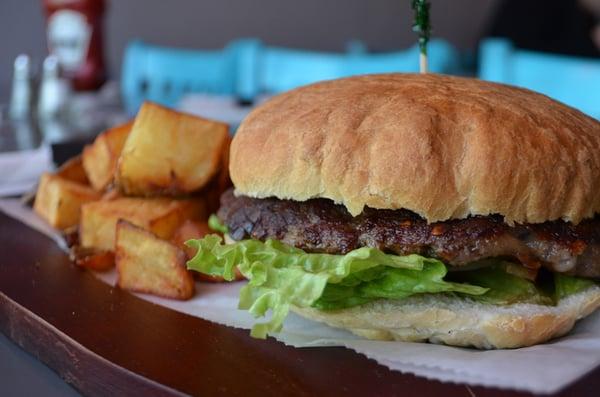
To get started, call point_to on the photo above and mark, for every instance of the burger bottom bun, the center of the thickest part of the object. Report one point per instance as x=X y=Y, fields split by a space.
x=460 y=322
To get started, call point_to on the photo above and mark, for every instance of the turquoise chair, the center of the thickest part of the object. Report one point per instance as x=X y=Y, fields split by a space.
x=442 y=58
x=246 y=68
x=276 y=69
x=163 y=74
x=573 y=81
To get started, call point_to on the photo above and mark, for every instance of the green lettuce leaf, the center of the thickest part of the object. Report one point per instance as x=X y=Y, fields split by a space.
x=568 y=285
x=389 y=283
x=280 y=275
x=215 y=224
x=504 y=288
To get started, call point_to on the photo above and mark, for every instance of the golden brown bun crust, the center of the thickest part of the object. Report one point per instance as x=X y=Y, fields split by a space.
x=460 y=322
x=443 y=147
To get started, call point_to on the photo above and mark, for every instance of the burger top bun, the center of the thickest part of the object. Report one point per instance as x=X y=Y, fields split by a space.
x=443 y=147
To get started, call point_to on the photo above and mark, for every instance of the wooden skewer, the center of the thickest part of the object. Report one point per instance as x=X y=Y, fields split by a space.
x=423 y=62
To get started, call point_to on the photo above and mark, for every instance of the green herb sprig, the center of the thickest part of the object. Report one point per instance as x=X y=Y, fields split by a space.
x=422 y=27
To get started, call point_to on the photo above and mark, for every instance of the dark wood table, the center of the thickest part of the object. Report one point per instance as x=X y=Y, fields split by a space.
x=106 y=341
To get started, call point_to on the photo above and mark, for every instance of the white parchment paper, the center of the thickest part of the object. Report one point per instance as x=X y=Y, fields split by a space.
x=20 y=171
x=532 y=369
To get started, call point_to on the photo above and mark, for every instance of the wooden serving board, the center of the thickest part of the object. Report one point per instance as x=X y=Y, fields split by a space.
x=106 y=341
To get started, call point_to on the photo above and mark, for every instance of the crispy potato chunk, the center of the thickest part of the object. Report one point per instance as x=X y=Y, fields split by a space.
x=191 y=230
x=72 y=170
x=100 y=158
x=99 y=261
x=162 y=216
x=59 y=200
x=111 y=194
x=145 y=263
x=170 y=153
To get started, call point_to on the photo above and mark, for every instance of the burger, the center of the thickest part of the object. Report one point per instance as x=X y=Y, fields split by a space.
x=414 y=208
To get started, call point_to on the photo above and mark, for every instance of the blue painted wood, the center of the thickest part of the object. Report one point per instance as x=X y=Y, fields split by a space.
x=246 y=68
x=282 y=69
x=571 y=80
x=163 y=75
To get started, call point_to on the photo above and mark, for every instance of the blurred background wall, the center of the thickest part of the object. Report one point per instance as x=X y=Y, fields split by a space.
x=309 y=24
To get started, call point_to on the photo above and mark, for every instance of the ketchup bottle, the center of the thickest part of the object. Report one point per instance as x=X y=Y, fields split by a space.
x=74 y=34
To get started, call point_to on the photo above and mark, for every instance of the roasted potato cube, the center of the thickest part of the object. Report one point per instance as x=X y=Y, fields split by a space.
x=100 y=158
x=59 y=200
x=72 y=170
x=92 y=259
x=189 y=230
x=170 y=153
x=195 y=229
x=162 y=216
x=111 y=194
x=145 y=263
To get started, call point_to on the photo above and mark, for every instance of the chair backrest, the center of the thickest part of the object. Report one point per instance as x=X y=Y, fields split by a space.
x=246 y=68
x=442 y=58
x=280 y=69
x=163 y=74
x=571 y=80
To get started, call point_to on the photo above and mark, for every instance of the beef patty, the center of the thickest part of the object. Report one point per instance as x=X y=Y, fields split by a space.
x=319 y=225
